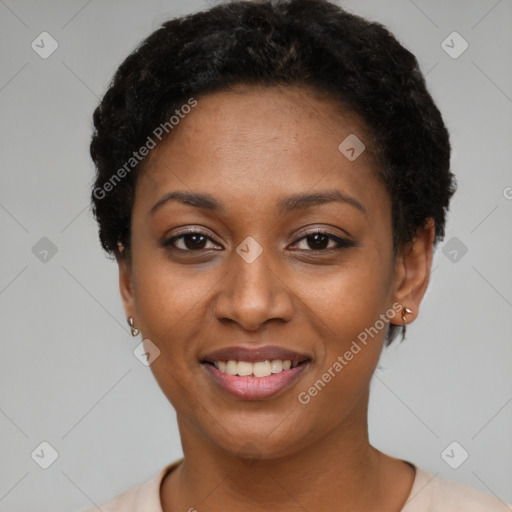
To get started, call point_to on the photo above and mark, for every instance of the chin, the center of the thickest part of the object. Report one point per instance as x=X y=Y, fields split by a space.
x=262 y=439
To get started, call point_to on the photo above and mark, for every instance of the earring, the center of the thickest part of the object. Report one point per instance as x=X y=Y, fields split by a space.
x=405 y=311
x=134 y=329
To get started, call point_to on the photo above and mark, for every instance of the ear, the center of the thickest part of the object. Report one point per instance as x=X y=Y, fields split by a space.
x=124 y=264
x=412 y=269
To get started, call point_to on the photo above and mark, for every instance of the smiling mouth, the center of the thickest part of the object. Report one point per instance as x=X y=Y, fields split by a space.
x=256 y=369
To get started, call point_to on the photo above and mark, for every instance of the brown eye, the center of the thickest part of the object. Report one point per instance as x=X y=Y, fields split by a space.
x=190 y=241
x=323 y=242
x=318 y=241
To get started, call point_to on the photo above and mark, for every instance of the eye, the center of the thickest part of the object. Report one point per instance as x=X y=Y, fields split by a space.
x=323 y=241
x=189 y=241
x=193 y=240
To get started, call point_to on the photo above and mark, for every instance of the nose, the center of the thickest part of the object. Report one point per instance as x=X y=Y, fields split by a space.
x=252 y=294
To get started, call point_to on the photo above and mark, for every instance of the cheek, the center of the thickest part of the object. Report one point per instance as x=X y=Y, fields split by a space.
x=349 y=304
x=166 y=292
x=351 y=297
x=173 y=312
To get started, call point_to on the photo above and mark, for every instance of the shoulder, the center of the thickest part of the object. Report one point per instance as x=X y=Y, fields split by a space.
x=145 y=496
x=432 y=493
x=126 y=501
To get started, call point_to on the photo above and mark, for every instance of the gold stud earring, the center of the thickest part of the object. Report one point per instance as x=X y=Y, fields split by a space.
x=405 y=311
x=134 y=329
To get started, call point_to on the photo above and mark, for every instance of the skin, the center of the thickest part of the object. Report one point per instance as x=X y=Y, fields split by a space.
x=249 y=147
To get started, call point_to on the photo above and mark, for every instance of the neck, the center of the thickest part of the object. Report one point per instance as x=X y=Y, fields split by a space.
x=339 y=471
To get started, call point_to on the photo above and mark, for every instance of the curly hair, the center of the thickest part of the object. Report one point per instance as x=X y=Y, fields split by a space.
x=309 y=43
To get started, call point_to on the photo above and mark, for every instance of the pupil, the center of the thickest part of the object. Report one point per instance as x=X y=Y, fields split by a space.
x=320 y=241
x=197 y=241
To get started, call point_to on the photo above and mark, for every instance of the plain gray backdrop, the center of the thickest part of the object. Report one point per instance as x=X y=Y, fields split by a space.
x=68 y=376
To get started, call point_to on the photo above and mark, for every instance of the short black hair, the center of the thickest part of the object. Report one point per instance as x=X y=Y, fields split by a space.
x=309 y=43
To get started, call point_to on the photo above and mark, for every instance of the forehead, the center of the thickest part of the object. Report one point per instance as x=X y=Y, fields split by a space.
x=261 y=142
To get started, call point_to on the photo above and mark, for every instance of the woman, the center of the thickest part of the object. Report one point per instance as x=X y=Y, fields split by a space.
x=272 y=178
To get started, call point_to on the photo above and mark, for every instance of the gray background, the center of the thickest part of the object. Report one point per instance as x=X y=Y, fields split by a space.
x=67 y=372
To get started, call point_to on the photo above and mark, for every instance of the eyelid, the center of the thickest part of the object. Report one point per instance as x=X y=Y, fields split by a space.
x=324 y=231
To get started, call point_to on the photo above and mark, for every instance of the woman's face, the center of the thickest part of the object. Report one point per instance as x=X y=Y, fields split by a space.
x=256 y=282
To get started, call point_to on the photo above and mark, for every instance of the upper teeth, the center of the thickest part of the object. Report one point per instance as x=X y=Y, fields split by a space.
x=258 y=369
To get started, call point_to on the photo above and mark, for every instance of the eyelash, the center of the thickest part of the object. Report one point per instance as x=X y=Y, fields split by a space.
x=343 y=243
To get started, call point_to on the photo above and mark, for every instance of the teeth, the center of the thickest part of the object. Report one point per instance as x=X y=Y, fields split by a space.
x=261 y=369
x=257 y=369
x=231 y=367
x=244 y=368
x=276 y=366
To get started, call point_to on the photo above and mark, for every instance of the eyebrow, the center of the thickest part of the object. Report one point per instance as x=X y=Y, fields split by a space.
x=286 y=205
x=303 y=201
x=201 y=201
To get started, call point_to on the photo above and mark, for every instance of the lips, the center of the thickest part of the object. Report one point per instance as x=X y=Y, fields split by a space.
x=254 y=373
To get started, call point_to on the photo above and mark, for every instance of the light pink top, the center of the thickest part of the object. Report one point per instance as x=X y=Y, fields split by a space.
x=429 y=493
